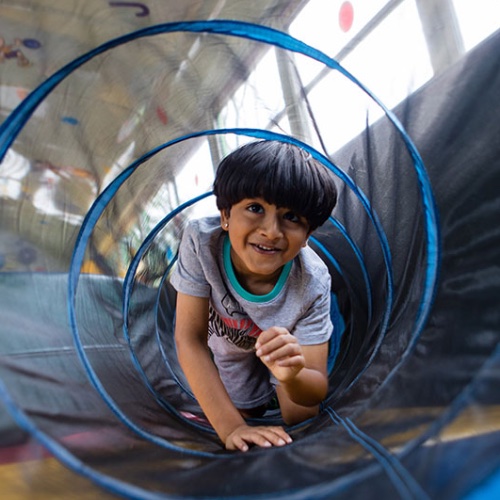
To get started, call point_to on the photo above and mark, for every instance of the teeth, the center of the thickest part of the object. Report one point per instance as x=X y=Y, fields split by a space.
x=265 y=248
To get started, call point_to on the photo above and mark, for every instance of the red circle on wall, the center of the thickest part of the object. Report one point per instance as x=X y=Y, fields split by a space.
x=162 y=115
x=346 y=16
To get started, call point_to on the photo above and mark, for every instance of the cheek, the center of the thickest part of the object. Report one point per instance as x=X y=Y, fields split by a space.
x=301 y=235
x=298 y=242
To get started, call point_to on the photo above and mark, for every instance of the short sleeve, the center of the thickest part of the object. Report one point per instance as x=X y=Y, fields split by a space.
x=315 y=326
x=188 y=276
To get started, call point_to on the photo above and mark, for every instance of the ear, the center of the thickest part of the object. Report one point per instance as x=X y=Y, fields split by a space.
x=224 y=219
x=307 y=237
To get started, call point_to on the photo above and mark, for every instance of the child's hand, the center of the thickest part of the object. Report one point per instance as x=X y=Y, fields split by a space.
x=263 y=436
x=280 y=351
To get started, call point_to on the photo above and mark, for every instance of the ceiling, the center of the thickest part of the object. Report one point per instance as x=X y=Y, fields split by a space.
x=158 y=86
x=117 y=106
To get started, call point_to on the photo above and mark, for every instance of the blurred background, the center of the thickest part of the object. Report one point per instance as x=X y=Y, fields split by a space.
x=126 y=101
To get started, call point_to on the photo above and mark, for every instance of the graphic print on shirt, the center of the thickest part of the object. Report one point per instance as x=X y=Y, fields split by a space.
x=237 y=327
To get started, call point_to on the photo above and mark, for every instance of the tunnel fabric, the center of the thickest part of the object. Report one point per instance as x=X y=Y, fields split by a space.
x=414 y=392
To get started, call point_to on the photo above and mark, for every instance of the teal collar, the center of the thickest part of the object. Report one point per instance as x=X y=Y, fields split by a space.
x=250 y=297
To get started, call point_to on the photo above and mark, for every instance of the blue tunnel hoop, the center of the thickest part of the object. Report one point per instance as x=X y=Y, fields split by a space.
x=254 y=133
x=16 y=121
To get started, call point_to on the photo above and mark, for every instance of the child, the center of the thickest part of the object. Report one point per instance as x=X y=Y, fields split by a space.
x=253 y=301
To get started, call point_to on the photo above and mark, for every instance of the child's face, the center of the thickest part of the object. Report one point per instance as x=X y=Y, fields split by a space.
x=263 y=237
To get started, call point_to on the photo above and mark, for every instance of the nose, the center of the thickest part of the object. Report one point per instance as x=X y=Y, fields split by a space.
x=271 y=227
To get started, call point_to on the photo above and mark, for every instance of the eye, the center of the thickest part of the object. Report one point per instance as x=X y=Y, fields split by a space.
x=255 y=208
x=292 y=217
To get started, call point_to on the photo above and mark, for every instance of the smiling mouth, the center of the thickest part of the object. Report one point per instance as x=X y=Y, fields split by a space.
x=265 y=249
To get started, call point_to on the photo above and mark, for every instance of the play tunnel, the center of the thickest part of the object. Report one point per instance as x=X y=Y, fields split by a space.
x=114 y=116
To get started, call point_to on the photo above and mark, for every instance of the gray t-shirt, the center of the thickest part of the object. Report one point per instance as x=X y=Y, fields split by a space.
x=299 y=302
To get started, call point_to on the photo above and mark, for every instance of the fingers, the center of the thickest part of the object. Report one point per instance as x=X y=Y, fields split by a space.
x=272 y=333
x=264 y=437
x=278 y=345
x=287 y=361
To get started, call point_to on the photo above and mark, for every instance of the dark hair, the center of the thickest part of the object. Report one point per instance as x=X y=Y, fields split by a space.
x=280 y=173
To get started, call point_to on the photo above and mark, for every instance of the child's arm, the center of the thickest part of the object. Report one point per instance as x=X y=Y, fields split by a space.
x=300 y=370
x=194 y=357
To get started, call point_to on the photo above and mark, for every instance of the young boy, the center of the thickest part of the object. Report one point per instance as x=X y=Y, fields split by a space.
x=253 y=302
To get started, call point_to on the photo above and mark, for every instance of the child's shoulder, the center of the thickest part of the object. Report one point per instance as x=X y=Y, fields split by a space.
x=204 y=231
x=311 y=259
x=203 y=227
x=312 y=267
